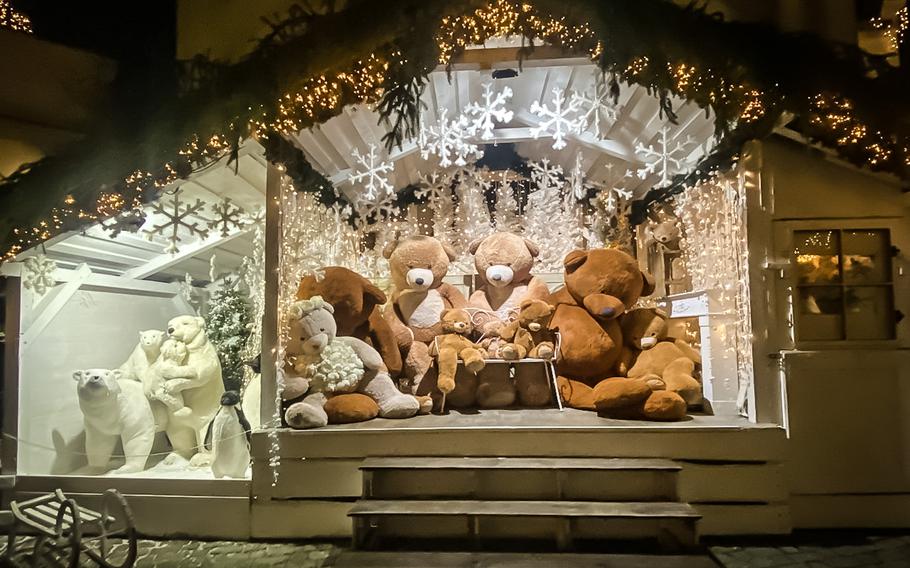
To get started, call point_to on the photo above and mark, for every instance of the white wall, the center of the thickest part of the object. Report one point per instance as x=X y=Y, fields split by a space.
x=846 y=404
x=93 y=329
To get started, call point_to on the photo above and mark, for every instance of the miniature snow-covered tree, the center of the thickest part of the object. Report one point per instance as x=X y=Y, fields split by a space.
x=227 y=325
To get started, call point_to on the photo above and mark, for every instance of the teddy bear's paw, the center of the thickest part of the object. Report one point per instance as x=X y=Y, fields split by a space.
x=654 y=381
x=475 y=366
x=509 y=353
x=302 y=416
x=426 y=404
x=403 y=406
x=446 y=384
x=545 y=352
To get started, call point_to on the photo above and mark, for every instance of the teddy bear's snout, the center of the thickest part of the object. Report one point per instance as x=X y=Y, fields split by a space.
x=648 y=342
x=315 y=344
x=420 y=277
x=500 y=275
x=534 y=326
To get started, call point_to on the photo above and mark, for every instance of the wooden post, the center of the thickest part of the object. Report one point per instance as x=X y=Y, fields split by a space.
x=9 y=443
x=269 y=377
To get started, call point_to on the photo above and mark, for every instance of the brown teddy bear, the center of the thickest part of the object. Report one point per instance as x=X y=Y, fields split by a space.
x=454 y=345
x=529 y=334
x=503 y=262
x=357 y=303
x=599 y=286
x=649 y=352
x=417 y=265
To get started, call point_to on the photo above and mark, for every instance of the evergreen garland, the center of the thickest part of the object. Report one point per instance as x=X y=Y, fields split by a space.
x=233 y=101
x=227 y=325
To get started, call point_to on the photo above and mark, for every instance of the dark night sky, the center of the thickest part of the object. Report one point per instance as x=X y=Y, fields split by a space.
x=137 y=32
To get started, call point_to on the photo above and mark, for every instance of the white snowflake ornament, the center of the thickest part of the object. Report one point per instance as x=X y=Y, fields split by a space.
x=434 y=187
x=371 y=171
x=177 y=214
x=481 y=117
x=559 y=122
x=227 y=217
x=665 y=160
x=596 y=110
x=448 y=140
x=545 y=176
x=38 y=274
x=579 y=189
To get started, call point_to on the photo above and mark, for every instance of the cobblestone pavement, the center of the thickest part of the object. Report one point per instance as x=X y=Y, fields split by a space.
x=206 y=554
x=835 y=550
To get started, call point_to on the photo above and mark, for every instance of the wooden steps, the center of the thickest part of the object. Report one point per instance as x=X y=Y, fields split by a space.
x=357 y=559
x=483 y=498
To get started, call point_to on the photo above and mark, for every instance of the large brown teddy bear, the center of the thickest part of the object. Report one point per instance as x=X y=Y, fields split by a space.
x=417 y=265
x=503 y=262
x=357 y=303
x=599 y=286
x=648 y=351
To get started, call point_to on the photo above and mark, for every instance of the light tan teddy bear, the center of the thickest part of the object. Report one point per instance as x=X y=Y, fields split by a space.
x=454 y=345
x=420 y=297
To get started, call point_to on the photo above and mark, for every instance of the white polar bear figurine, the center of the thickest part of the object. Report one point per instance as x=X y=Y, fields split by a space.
x=230 y=439
x=199 y=381
x=114 y=409
x=143 y=355
x=173 y=354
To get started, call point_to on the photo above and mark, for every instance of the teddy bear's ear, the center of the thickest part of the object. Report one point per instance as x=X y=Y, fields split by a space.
x=647 y=283
x=475 y=244
x=660 y=312
x=532 y=247
x=450 y=251
x=525 y=303
x=370 y=290
x=390 y=248
x=574 y=260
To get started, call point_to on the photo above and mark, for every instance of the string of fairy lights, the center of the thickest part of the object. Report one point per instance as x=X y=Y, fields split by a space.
x=365 y=81
x=12 y=19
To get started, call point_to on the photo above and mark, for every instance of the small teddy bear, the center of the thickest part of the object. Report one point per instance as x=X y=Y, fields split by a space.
x=529 y=334
x=454 y=344
x=173 y=354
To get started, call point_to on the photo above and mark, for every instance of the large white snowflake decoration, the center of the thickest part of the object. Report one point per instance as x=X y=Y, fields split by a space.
x=559 y=122
x=667 y=159
x=130 y=221
x=481 y=117
x=227 y=217
x=434 y=186
x=449 y=141
x=371 y=172
x=595 y=107
x=38 y=274
x=177 y=214
x=545 y=176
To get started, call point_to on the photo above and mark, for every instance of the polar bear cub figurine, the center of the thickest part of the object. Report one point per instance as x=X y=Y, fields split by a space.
x=144 y=354
x=173 y=355
x=114 y=409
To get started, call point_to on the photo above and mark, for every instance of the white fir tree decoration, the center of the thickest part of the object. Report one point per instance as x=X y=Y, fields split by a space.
x=227 y=217
x=544 y=223
x=506 y=211
x=227 y=327
x=578 y=188
x=177 y=214
x=597 y=112
x=472 y=214
x=559 y=122
x=543 y=175
x=481 y=117
x=448 y=140
x=667 y=159
x=371 y=172
x=38 y=274
x=436 y=188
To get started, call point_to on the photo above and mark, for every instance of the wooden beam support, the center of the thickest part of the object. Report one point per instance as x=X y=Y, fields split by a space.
x=166 y=261
x=46 y=311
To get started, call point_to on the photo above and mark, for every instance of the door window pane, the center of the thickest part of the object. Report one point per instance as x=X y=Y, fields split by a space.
x=869 y=312
x=817 y=256
x=867 y=257
x=821 y=313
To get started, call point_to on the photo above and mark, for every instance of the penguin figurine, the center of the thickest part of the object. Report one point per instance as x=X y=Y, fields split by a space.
x=230 y=435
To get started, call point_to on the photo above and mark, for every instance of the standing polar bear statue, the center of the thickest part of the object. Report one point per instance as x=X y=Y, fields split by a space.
x=198 y=379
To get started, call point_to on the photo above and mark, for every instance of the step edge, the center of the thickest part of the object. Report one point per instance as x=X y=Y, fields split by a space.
x=685 y=510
